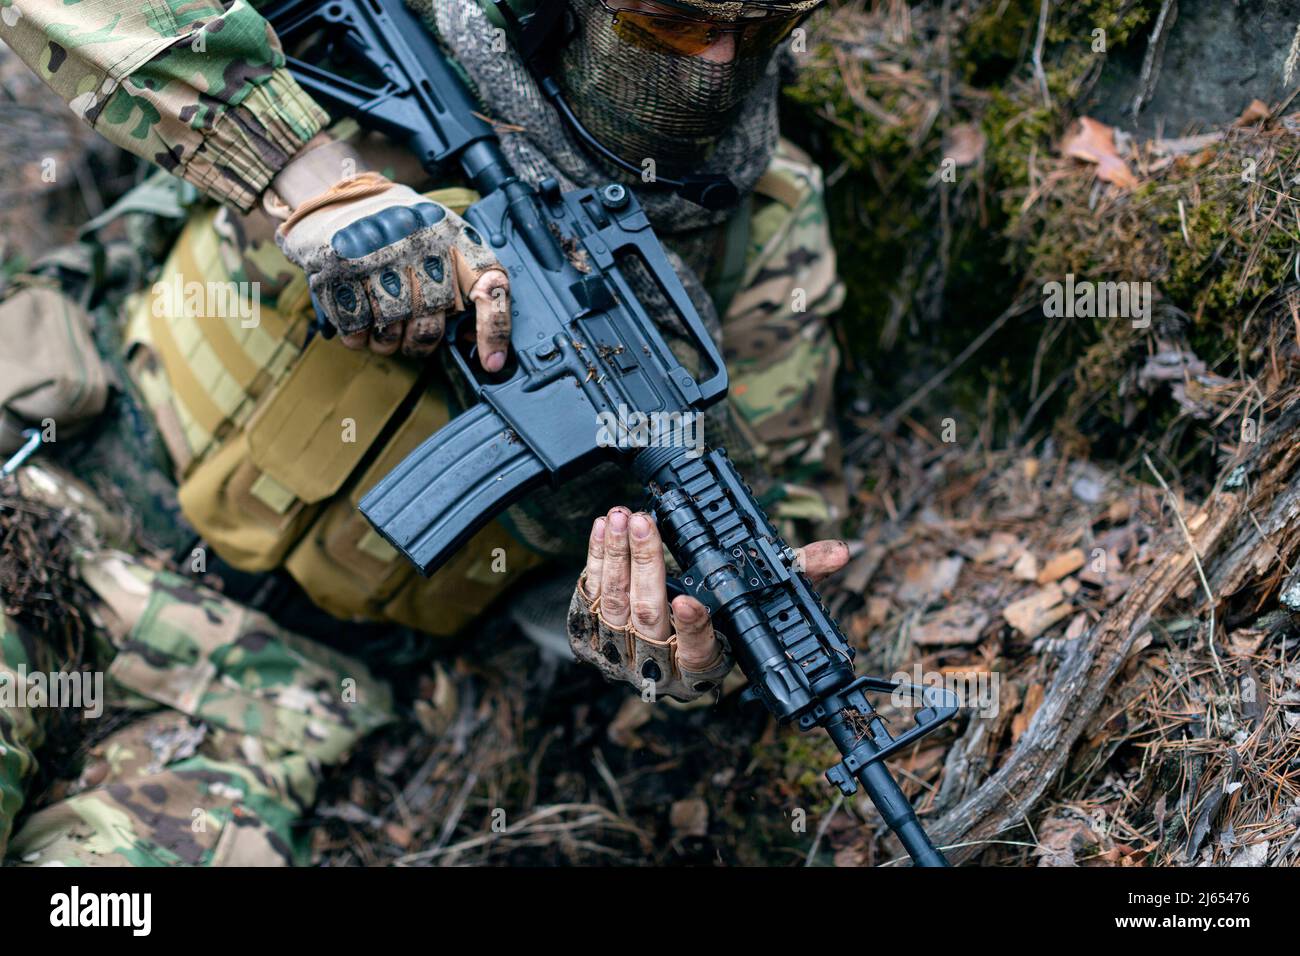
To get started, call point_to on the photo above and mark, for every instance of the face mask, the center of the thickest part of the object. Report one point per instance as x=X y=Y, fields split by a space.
x=631 y=78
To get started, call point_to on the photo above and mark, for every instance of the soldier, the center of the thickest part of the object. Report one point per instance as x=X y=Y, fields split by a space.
x=273 y=435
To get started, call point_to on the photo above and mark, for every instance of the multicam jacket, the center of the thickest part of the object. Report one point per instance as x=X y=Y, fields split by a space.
x=197 y=87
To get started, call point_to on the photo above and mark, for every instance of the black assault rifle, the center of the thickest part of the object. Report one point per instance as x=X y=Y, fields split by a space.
x=583 y=344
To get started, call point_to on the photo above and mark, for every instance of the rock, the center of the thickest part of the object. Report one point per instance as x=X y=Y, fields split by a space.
x=1217 y=57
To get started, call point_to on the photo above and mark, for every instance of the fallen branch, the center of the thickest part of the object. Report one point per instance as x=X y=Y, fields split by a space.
x=1220 y=529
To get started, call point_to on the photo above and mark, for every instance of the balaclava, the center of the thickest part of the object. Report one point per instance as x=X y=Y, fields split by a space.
x=628 y=78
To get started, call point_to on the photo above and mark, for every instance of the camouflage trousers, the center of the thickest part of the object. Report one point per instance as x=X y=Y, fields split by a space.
x=228 y=723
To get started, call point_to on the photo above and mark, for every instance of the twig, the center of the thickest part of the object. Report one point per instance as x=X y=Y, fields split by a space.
x=607 y=775
x=1155 y=47
x=1039 y=72
x=822 y=828
x=1196 y=559
x=957 y=846
x=457 y=809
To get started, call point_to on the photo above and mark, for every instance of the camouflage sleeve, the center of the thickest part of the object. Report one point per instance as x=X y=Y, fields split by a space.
x=779 y=346
x=20 y=733
x=196 y=86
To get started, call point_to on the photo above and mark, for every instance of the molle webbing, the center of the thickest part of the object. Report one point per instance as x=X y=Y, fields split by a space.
x=206 y=349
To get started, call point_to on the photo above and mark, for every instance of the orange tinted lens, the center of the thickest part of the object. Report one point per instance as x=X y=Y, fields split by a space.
x=665 y=34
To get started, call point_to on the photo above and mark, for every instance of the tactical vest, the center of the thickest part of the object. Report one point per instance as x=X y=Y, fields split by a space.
x=276 y=439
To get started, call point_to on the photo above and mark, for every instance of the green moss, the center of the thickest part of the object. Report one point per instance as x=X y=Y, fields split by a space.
x=916 y=242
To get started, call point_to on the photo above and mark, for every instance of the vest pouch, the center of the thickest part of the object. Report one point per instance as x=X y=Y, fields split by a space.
x=259 y=492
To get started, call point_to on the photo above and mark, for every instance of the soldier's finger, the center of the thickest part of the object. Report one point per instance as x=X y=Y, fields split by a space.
x=649 y=595
x=385 y=339
x=595 y=558
x=697 y=645
x=822 y=558
x=616 y=571
x=356 y=340
x=423 y=334
x=491 y=297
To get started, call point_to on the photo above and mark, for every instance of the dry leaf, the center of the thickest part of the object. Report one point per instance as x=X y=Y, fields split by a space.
x=955 y=624
x=1140 y=645
x=927 y=581
x=1001 y=546
x=689 y=818
x=1097 y=574
x=634 y=713
x=964 y=144
x=398 y=834
x=1254 y=855
x=1094 y=142
x=850 y=856
x=878 y=609
x=1244 y=642
x=1061 y=565
x=1026 y=568
x=1077 y=627
x=1034 y=614
x=1256 y=112
x=438 y=703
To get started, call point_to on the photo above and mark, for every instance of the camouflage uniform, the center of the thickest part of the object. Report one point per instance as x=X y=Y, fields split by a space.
x=239 y=716
x=232 y=722
x=197 y=87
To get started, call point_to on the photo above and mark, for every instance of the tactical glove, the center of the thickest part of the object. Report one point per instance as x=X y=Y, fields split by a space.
x=623 y=653
x=386 y=265
x=621 y=621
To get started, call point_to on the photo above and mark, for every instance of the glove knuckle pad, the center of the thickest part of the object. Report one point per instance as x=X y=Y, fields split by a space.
x=380 y=229
x=344 y=302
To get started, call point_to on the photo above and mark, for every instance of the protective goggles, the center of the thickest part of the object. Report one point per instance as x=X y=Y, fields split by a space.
x=665 y=29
